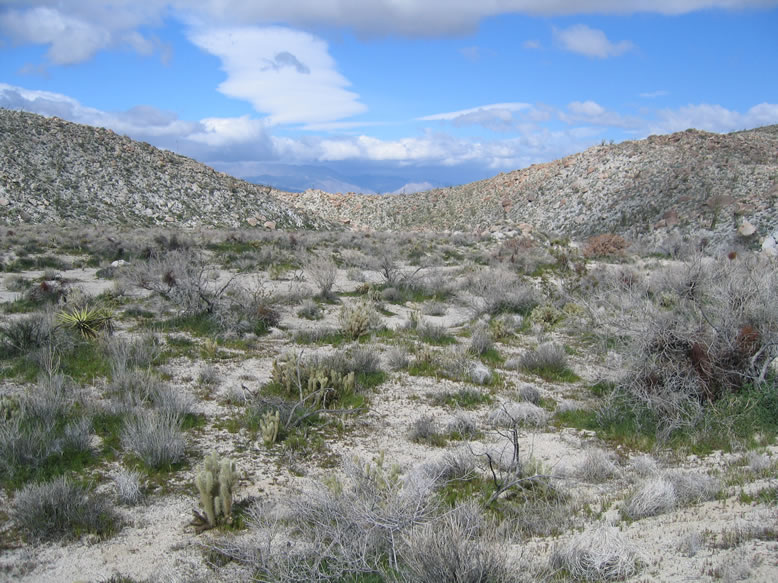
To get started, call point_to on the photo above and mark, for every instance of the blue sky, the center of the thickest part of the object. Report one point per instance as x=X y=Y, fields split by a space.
x=376 y=95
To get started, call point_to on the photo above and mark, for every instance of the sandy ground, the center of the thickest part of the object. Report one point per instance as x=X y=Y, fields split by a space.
x=158 y=542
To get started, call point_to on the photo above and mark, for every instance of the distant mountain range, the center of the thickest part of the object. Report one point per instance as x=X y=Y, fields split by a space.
x=53 y=171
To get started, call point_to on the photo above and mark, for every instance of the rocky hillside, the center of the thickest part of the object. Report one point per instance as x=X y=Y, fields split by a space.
x=54 y=171
x=689 y=181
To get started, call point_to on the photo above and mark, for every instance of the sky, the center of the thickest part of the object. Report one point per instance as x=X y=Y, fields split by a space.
x=390 y=95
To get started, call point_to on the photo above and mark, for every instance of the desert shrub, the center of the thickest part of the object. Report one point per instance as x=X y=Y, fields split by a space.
x=605 y=245
x=433 y=333
x=548 y=360
x=459 y=546
x=426 y=430
x=128 y=487
x=596 y=467
x=182 y=277
x=704 y=335
x=155 y=437
x=669 y=491
x=510 y=413
x=480 y=341
x=128 y=353
x=602 y=553
x=462 y=426
x=495 y=291
x=397 y=358
x=23 y=335
x=529 y=393
x=62 y=509
x=434 y=308
x=310 y=310
x=358 y=319
x=323 y=271
x=348 y=528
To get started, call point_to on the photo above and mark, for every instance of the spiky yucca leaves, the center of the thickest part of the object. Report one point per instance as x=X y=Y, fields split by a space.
x=88 y=321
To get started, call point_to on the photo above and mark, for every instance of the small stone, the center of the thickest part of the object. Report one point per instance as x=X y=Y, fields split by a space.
x=4 y=202
x=746 y=229
x=252 y=221
x=270 y=225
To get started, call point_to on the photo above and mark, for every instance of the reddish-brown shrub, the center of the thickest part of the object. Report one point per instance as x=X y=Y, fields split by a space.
x=605 y=245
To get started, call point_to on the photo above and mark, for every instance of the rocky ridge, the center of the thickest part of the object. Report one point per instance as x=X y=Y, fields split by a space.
x=688 y=181
x=54 y=171
x=696 y=182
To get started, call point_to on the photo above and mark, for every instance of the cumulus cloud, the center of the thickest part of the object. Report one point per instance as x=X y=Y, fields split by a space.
x=243 y=142
x=591 y=42
x=285 y=73
x=654 y=94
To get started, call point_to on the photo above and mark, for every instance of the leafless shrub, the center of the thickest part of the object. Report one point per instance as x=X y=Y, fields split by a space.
x=51 y=398
x=493 y=291
x=128 y=353
x=209 y=376
x=128 y=487
x=310 y=310
x=462 y=426
x=606 y=245
x=480 y=341
x=599 y=554
x=353 y=526
x=705 y=332
x=668 y=491
x=181 y=276
x=323 y=271
x=397 y=358
x=643 y=465
x=77 y=435
x=62 y=509
x=529 y=393
x=155 y=437
x=425 y=430
x=547 y=357
x=460 y=546
x=509 y=413
x=172 y=401
x=24 y=444
x=597 y=466
x=434 y=308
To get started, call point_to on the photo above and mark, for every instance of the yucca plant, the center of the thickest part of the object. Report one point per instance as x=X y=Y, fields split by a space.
x=89 y=321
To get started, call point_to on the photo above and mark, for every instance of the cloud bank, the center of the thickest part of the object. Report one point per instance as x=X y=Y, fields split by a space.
x=75 y=30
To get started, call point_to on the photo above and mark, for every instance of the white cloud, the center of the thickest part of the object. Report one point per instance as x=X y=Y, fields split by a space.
x=284 y=73
x=714 y=118
x=75 y=30
x=592 y=113
x=531 y=44
x=654 y=94
x=245 y=141
x=496 y=116
x=591 y=42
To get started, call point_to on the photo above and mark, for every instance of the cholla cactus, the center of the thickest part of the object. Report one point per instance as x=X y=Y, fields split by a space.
x=358 y=319
x=268 y=427
x=215 y=482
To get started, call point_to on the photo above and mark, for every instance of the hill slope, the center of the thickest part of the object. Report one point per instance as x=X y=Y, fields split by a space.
x=690 y=180
x=52 y=171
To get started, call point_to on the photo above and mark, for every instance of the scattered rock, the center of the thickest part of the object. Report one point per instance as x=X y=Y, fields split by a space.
x=746 y=229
